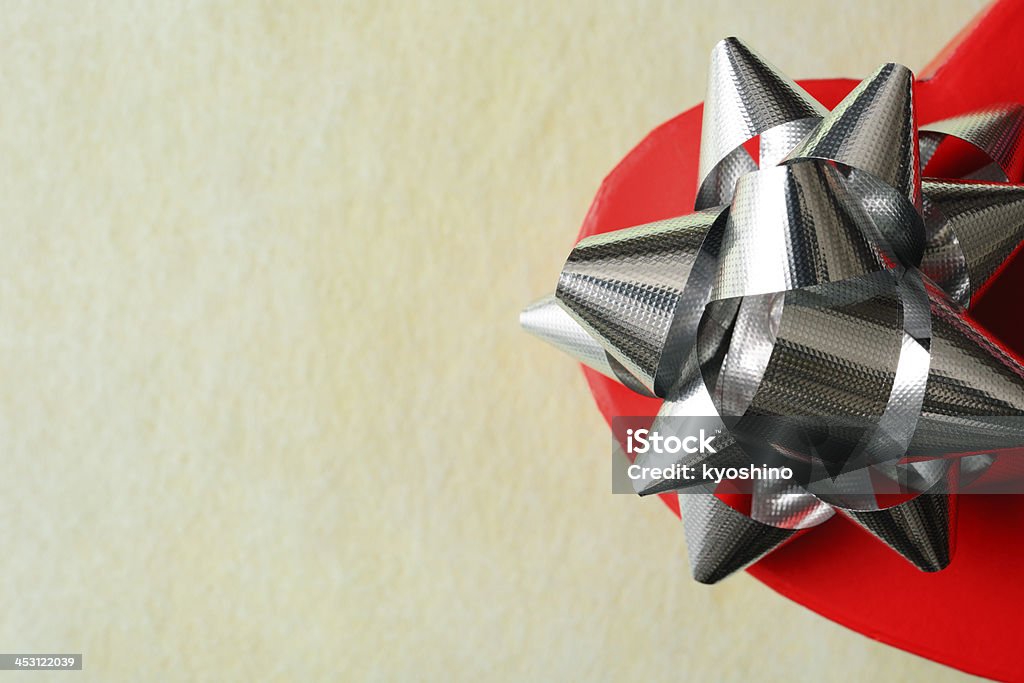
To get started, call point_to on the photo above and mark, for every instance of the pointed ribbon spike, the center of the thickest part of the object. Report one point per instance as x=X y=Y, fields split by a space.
x=873 y=133
x=922 y=529
x=974 y=397
x=874 y=130
x=721 y=541
x=633 y=292
x=972 y=229
x=548 y=321
x=746 y=96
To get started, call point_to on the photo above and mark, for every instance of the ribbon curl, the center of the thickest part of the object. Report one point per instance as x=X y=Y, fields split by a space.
x=820 y=284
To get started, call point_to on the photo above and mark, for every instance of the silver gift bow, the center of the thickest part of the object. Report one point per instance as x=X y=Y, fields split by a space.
x=826 y=283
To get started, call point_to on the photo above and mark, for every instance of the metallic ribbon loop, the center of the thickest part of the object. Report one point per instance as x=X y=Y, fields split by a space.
x=996 y=132
x=819 y=288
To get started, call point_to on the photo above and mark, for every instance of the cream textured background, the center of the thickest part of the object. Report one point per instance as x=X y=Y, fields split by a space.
x=265 y=411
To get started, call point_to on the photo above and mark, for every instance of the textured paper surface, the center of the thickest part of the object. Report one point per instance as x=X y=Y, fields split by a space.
x=265 y=411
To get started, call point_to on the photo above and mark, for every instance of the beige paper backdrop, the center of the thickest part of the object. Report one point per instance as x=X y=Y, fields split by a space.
x=265 y=411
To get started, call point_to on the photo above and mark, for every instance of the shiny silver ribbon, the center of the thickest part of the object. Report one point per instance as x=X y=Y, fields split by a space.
x=824 y=284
